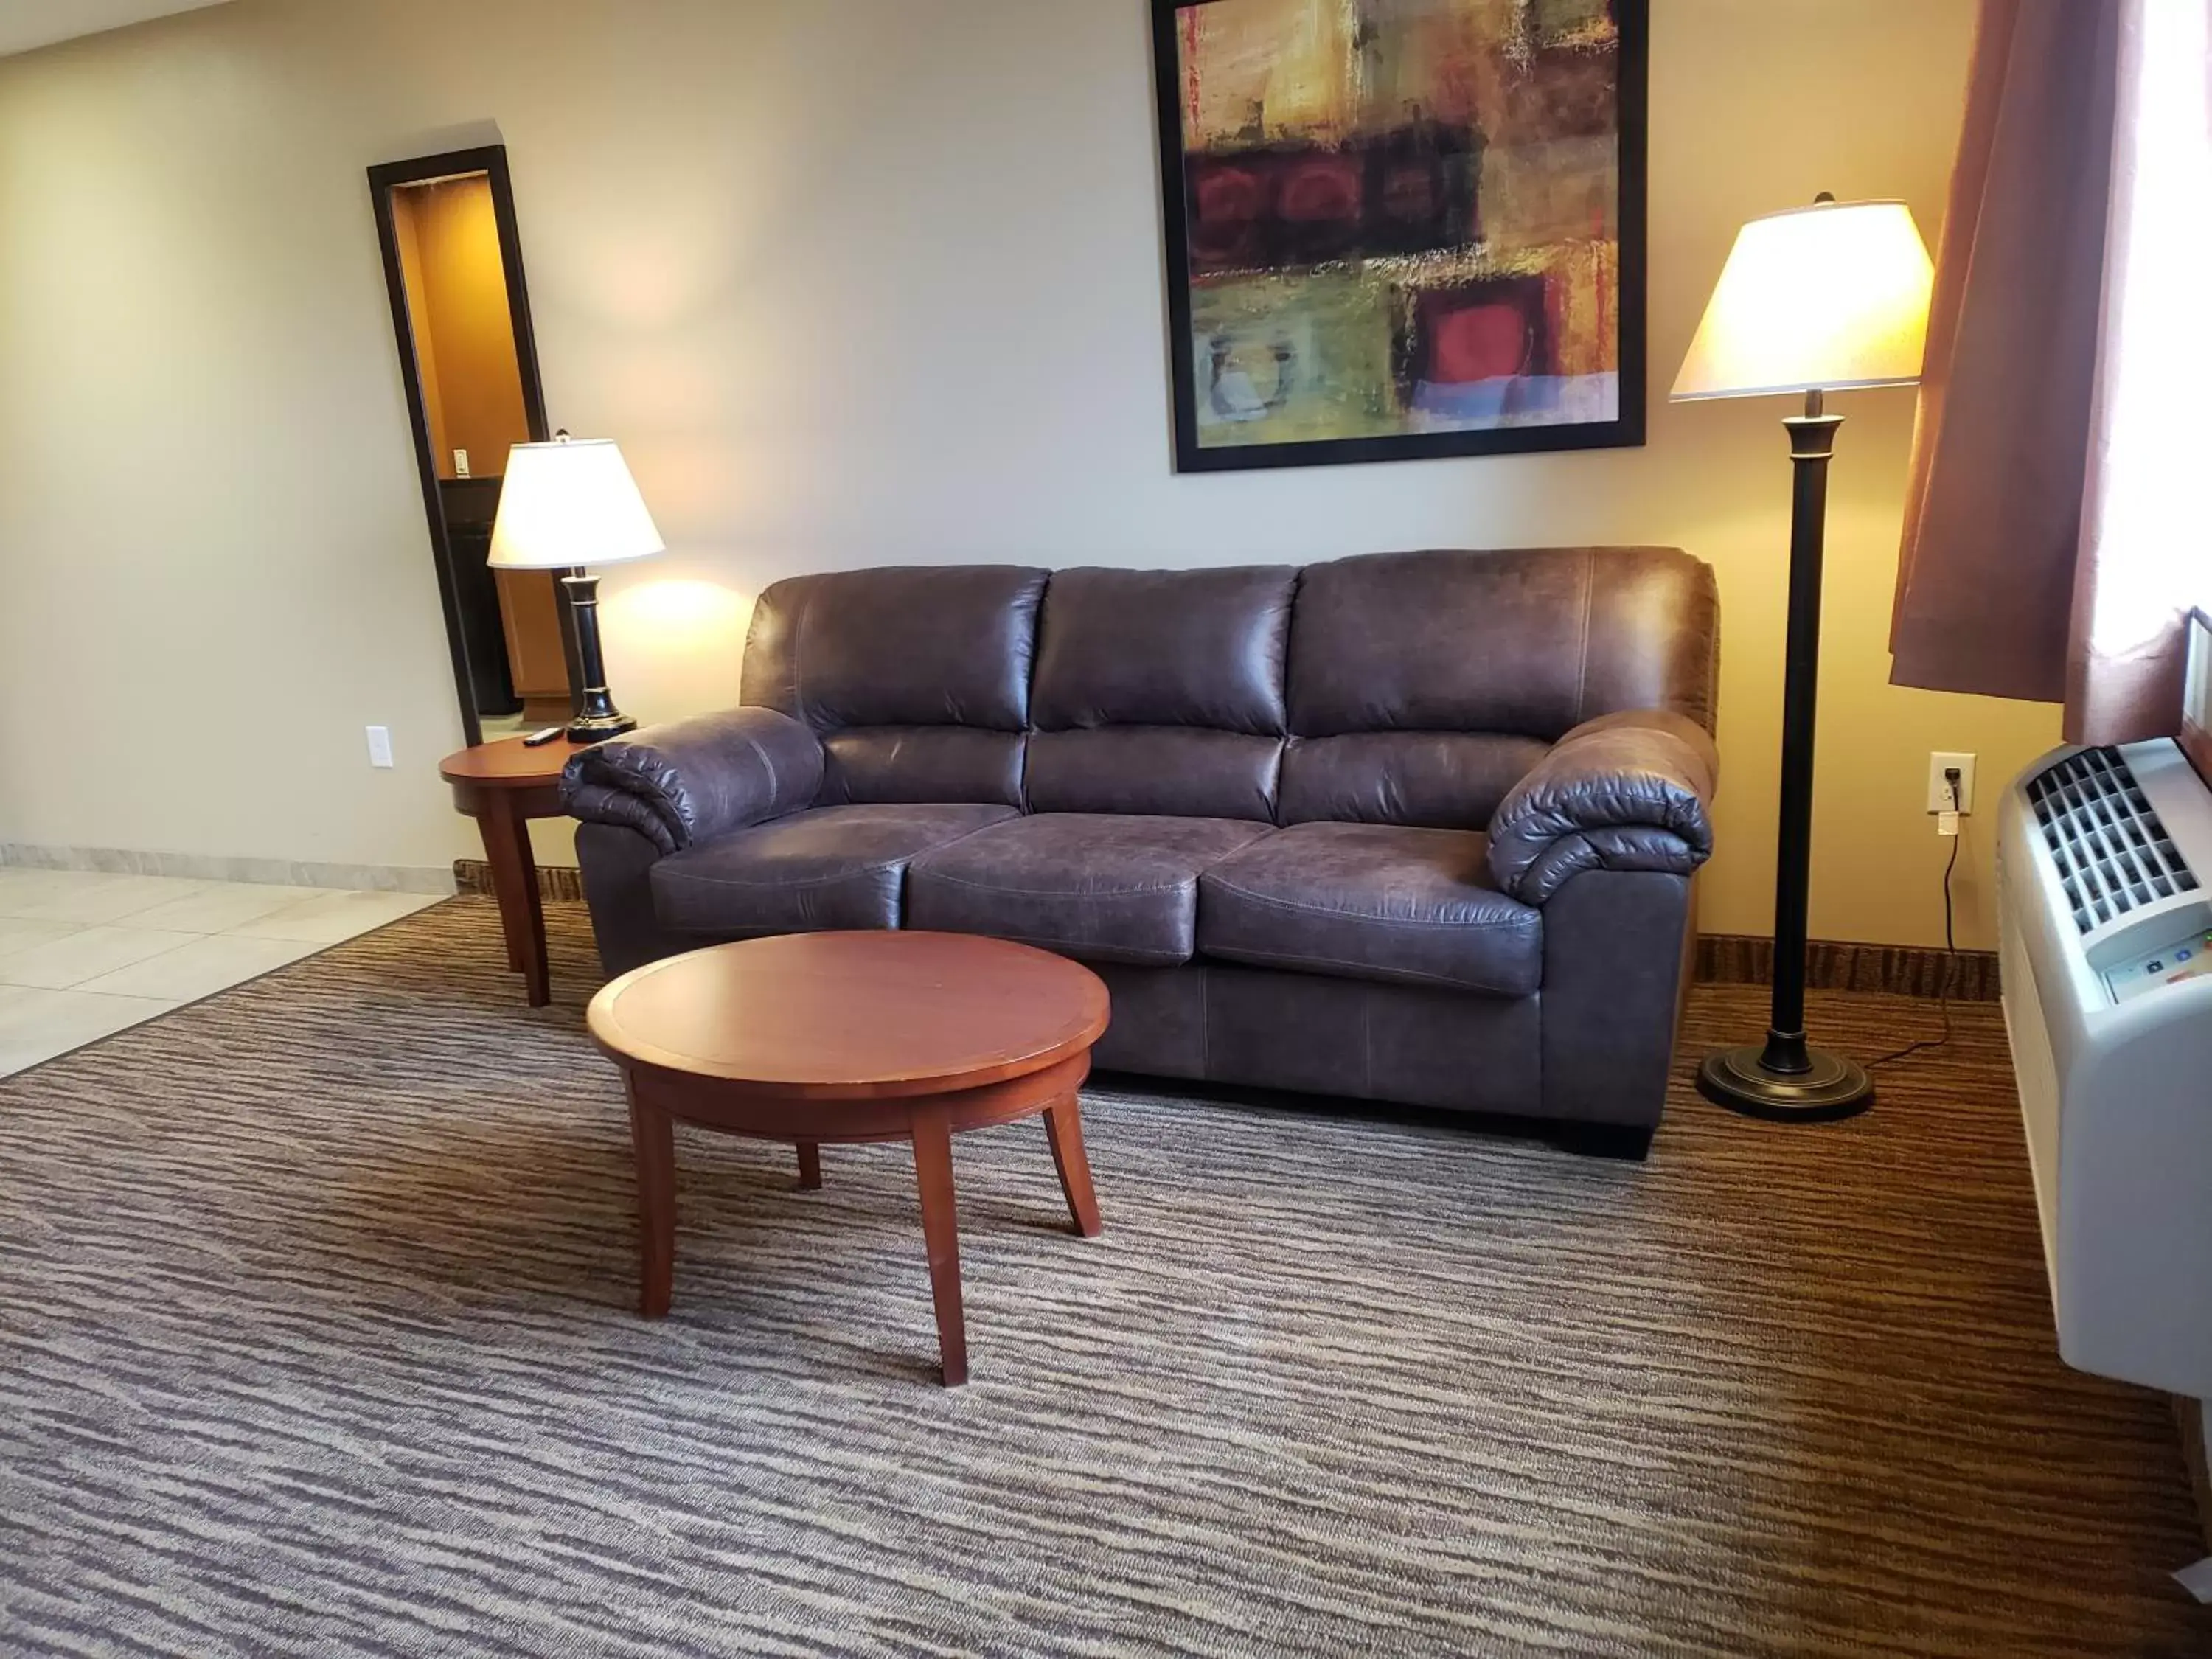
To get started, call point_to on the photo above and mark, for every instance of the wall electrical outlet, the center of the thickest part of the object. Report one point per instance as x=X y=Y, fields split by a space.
x=380 y=745
x=1939 y=786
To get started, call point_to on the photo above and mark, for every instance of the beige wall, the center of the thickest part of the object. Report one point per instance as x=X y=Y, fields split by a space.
x=855 y=281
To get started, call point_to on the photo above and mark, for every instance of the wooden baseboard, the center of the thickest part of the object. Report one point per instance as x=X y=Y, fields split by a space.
x=1908 y=970
x=555 y=881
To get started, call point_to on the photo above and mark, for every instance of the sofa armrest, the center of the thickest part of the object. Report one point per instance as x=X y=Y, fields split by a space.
x=1625 y=792
x=695 y=779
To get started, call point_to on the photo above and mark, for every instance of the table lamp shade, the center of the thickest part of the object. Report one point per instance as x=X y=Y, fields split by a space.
x=1830 y=297
x=567 y=504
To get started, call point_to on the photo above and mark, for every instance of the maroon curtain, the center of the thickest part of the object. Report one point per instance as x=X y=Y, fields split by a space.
x=2027 y=568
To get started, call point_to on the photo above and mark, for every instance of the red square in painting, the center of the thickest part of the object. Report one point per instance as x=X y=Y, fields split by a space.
x=1499 y=328
x=1482 y=343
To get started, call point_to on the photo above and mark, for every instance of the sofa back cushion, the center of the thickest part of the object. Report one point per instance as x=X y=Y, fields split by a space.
x=916 y=679
x=1422 y=685
x=1396 y=687
x=1161 y=691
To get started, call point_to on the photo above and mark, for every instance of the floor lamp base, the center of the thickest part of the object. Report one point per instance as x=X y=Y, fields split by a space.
x=1833 y=1087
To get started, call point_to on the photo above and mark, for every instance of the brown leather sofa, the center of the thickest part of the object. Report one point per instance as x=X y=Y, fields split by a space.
x=1413 y=827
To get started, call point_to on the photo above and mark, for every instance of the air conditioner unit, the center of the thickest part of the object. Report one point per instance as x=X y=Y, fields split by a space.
x=2104 y=937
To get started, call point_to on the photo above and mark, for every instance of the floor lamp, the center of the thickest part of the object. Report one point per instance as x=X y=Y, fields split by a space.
x=1829 y=298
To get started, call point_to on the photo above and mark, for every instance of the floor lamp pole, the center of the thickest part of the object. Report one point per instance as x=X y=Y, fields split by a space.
x=1785 y=1077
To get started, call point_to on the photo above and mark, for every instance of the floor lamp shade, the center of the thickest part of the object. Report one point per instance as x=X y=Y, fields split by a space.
x=1829 y=298
x=564 y=505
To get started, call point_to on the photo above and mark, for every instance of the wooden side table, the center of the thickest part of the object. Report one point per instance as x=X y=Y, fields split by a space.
x=502 y=786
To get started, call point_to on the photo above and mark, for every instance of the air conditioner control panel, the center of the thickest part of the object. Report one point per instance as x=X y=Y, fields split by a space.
x=2186 y=957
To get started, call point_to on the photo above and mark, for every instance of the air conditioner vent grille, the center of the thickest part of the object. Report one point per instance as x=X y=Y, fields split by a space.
x=2112 y=852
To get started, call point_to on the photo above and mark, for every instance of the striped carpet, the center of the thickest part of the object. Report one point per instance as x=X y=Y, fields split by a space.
x=315 y=1337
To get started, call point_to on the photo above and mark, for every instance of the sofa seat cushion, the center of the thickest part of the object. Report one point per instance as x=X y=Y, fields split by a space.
x=1373 y=900
x=831 y=866
x=1096 y=886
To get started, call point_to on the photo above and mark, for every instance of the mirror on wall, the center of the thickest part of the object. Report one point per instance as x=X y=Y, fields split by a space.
x=460 y=312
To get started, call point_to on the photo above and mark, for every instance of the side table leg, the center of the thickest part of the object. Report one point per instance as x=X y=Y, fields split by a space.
x=940 y=1231
x=514 y=880
x=810 y=1165
x=1063 y=1125
x=653 y=1136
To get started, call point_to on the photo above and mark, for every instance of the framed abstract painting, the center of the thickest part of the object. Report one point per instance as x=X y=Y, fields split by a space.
x=1402 y=228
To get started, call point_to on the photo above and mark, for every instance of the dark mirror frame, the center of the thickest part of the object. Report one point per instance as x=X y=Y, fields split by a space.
x=490 y=160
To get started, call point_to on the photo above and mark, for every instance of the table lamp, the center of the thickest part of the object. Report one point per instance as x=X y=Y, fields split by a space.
x=564 y=505
x=1829 y=298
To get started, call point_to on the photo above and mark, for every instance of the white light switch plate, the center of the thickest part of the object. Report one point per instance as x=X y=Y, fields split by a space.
x=380 y=745
x=1939 y=799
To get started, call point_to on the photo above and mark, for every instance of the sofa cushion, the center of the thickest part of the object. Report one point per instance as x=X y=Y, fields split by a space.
x=935 y=645
x=1370 y=901
x=1160 y=691
x=1165 y=647
x=1097 y=887
x=833 y=866
x=909 y=764
x=1180 y=771
x=1440 y=779
x=1530 y=641
x=916 y=680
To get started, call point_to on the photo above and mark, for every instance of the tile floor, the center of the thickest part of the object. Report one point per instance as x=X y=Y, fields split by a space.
x=84 y=955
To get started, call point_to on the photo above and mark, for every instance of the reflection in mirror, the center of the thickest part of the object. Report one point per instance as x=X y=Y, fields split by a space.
x=453 y=265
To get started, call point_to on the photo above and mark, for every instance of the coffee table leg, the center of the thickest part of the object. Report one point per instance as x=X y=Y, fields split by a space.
x=810 y=1165
x=940 y=1231
x=1063 y=1124
x=653 y=1136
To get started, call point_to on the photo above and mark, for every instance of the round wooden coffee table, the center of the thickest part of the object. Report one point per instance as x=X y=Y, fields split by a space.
x=851 y=1037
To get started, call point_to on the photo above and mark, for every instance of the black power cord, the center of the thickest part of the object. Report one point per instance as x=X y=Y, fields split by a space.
x=1943 y=985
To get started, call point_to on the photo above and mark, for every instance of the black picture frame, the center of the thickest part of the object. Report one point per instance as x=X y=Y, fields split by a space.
x=490 y=160
x=1626 y=431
